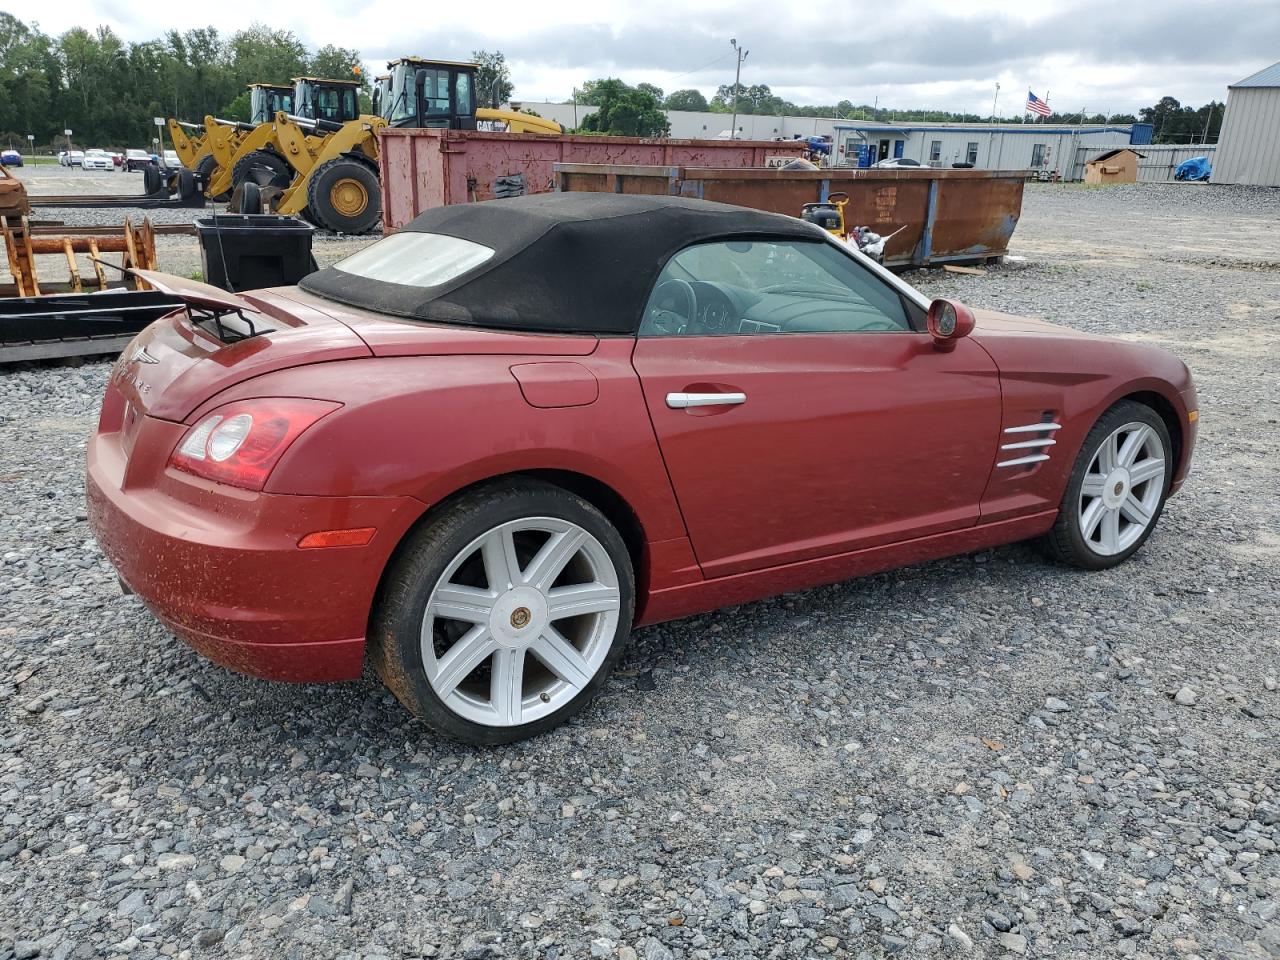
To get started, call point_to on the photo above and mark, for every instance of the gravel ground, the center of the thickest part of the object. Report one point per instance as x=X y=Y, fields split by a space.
x=989 y=756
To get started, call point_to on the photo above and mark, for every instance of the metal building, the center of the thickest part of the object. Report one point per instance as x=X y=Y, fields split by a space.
x=1249 y=144
x=1045 y=147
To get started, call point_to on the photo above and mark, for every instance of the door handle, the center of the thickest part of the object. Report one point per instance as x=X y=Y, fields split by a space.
x=682 y=401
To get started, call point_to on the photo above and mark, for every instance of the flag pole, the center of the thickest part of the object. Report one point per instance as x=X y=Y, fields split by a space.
x=1046 y=103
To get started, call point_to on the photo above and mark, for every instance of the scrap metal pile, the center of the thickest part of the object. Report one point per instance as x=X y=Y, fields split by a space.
x=97 y=313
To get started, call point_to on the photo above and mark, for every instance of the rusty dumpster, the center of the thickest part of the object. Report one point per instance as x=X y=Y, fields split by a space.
x=424 y=168
x=945 y=216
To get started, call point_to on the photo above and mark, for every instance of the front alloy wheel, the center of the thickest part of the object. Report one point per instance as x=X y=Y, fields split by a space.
x=1122 y=489
x=1116 y=491
x=503 y=614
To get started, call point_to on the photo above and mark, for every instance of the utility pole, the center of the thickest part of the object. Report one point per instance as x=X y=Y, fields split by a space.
x=991 y=135
x=737 y=82
x=1207 y=121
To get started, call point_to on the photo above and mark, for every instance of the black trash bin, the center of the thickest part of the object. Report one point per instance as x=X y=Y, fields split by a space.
x=249 y=251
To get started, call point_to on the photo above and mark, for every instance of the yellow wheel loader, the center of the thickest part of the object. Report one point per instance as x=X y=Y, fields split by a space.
x=442 y=93
x=254 y=154
x=335 y=185
x=202 y=148
x=323 y=165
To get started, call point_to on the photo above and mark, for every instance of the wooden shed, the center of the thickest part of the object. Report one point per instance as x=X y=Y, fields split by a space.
x=1115 y=166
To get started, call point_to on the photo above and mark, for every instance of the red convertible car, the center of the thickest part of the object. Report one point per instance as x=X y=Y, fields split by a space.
x=480 y=451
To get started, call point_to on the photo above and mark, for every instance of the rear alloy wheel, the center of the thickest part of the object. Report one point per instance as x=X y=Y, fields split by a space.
x=1117 y=490
x=343 y=196
x=262 y=167
x=503 y=616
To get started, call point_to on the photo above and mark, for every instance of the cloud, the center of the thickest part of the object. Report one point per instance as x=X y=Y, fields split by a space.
x=913 y=53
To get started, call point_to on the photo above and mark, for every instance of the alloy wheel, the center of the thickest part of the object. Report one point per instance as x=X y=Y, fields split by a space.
x=1122 y=488
x=520 y=621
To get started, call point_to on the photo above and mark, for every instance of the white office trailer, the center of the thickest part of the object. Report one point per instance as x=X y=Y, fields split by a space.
x=1038 y=147
x=1034 y=146
x=1249 y=144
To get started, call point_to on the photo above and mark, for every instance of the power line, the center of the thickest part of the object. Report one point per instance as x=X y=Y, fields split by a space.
x=701 y=68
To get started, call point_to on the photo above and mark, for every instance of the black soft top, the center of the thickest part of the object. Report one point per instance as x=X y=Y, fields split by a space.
x=563 y=262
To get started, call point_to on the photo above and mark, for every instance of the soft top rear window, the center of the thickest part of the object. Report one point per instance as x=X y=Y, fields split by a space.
x=416 y=259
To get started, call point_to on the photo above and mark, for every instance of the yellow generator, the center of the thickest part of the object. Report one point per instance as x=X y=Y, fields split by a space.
x=828 y=214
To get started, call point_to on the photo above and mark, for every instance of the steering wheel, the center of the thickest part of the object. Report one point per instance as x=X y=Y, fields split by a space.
x=674 y=321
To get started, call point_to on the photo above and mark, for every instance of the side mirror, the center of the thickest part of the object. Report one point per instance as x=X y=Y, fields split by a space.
x=948 y=321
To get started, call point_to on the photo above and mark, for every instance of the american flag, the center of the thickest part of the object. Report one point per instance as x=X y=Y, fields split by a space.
x=1036 y=105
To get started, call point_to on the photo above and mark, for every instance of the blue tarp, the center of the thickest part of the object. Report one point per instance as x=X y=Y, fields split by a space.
x=1197 y=168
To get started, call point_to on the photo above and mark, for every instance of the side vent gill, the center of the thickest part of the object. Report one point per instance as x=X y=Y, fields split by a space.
x=1028 y=443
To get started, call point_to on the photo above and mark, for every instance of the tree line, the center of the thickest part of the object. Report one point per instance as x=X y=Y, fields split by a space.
x=638 y=111
x=1172 y=122
x=106 y=91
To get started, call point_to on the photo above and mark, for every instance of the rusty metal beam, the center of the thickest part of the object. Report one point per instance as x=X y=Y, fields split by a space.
x=136 y=246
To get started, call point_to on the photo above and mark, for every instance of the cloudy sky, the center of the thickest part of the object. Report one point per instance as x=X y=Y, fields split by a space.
x=1115 y=56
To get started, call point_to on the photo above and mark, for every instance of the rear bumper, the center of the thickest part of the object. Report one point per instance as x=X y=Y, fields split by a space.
x=222 y=570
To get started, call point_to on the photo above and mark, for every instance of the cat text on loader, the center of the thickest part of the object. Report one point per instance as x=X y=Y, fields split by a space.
x=202 y=148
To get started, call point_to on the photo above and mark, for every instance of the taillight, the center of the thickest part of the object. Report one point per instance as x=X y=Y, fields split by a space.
x=241 y=443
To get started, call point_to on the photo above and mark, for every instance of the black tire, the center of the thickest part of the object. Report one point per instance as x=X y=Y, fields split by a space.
x=332 y=184
x=247 y=198
x=394 y=641
x=152 y=180
x=262 y=167
x=206 y=170
x=1065 y=542
x=186 y=184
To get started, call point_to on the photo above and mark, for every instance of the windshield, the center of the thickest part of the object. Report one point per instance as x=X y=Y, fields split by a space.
x=401 y=108
x=416 y=259
x=302 y=100
x=435 y=92
x=264 y=102
x=381 y=96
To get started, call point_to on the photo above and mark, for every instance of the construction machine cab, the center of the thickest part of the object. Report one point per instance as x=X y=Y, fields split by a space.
x=381 y=95
x=431 y=93
x=266 y=99
x=332 y=101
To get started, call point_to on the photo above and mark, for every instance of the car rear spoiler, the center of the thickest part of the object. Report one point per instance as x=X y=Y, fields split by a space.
x=193 y=291
x=224 y=314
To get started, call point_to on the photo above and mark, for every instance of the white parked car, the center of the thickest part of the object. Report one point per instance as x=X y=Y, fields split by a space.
x=97 y=160
x=171 y=160
x=71 y=158
x=890 y=162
